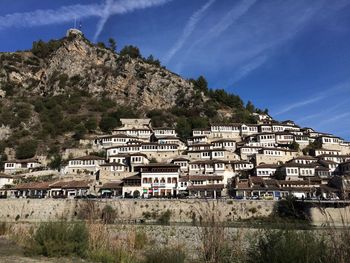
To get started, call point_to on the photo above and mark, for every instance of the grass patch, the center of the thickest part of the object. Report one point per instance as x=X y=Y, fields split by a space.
x=60 y=239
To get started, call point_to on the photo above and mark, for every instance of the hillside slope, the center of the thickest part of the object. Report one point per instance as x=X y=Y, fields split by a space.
x=56 y=93
x=78 y=63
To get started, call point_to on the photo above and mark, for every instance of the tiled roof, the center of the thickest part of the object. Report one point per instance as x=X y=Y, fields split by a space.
x=112 y=185
x=32 y=186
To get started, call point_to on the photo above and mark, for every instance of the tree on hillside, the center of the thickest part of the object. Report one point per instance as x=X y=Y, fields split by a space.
x=295 y=146
x=26 y=149
x=112 y=44
x=183 y=128
x=153 y=61
x=201 y=84
x=56 y=162
x=130 y=51
x=310 y=149
x=250 y=107
x=101 y=45
x=108 y=123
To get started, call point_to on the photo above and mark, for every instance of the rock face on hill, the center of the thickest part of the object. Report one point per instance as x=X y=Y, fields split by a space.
x=64 y=90
x=76 y=63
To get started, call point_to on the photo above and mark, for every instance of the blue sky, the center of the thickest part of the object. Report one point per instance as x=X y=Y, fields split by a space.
x=292 y=57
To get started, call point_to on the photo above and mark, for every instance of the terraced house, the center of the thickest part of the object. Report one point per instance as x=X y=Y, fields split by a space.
x=222 y=160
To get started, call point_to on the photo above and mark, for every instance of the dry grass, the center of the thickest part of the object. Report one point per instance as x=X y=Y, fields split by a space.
x=216 y=245
x=339 y=237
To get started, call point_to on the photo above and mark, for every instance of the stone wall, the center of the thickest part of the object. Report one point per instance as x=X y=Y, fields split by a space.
x=330 y=216
x=35 y=210
x=133 y=210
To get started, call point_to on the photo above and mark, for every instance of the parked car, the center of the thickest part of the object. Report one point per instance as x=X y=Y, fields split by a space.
x=267 y=197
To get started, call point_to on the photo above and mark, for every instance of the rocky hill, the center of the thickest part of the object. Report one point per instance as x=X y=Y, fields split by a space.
x=59 y=91
x=96 y=70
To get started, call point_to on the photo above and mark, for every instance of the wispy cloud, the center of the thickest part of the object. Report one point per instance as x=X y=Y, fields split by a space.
x=299 y=104
x=224 y=23
x=334 y=90
x=334 y=119
x=64 y=14
x=104 y=17
x=249 y=35
x=327 y=112
x=189 y=28
x=231 y=17
x=248 y=68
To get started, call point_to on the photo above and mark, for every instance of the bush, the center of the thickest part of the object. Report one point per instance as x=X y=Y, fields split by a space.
x=107 y=123
x=288 y=246
x=131 y=51
x=91 y=124
x=26 y=149
x=164 y=218
x=55 y=162
x=140 y=240
x=42 y=49
x=3 y=228
x=79 y=131
x=57 y=239
x=108 y=215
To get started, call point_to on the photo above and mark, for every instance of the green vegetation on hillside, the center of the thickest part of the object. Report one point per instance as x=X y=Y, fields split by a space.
x=68 y=115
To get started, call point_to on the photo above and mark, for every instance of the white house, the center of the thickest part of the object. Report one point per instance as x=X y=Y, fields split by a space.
x=265 y=128
x=224 y=144
x=242 y=165
x=5 y=179
x=201 y=132
x=17 y=166
x=266 y=139
x=113 y=140
x=84 y=165
x=249 y=129
x=164 y=132
x=266 y=170
x=159 y=179
x=284 y=138
x=323 y=151
x=248 y=151
x=305 y=159
x=225 y=131
x=183 y=163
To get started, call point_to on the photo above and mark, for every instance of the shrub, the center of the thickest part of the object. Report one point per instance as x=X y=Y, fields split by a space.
x=91 y=124
x=140 y=240
x=79 y=131
x=164 y=218
x=88 y=211
x=57 y=239
x=3 y=228
x=131 y=51
x=42 y=49
x=55 y=162
x=108 y=215
x=26 y=149
x=253 y=210
x=288 y=246
x=108 y=123
x=147 y=215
